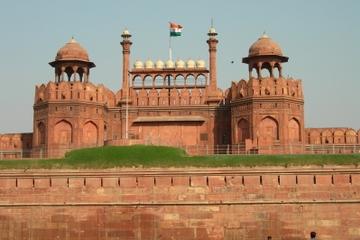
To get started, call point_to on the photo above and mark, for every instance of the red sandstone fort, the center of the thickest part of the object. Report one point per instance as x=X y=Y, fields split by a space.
x=173 y=103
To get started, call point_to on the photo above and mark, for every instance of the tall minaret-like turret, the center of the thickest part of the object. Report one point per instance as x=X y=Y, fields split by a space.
x=126 y=44
x=213 y=94
x=212 y=42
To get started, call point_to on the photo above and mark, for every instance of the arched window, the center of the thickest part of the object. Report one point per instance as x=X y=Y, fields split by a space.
x=169 y=80
x=265 y=70
x=200 y=80
x=137 y=81
x=148 y=81
x=159 y=81
x=253 y=72
x=76 y=76
x=81 y=74
x=190 y=80
x=277 y=70
x=180 y=80
x=69 y=72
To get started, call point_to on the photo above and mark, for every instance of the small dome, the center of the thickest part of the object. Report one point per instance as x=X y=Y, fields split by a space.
x=149 y=64
x=159 y=64
x=265 y=46
x=180 y=64
x=72 y=51
x=190 y=63
x=212 y=30
x=126 y=32
x=200 y=63
x=169 y=64
x=138 y=64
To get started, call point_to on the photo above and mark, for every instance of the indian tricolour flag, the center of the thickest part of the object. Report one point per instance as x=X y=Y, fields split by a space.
x=175 y=29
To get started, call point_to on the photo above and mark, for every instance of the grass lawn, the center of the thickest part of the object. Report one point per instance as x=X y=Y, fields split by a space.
x=156 y=156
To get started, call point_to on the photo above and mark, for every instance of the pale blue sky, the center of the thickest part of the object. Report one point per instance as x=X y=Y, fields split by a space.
x=321 y=38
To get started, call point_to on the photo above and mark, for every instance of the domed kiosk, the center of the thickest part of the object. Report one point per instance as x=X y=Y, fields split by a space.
x=72 y=61
x=265 y=54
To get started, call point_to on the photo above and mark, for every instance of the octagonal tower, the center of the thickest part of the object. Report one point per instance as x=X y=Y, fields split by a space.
x=70 y=112
x=267 y=111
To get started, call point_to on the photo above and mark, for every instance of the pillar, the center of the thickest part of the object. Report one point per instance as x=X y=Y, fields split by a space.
x=212 y=42
x=126 y=44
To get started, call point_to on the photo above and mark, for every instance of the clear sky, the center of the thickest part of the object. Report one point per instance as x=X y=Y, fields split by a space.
x=321 y=39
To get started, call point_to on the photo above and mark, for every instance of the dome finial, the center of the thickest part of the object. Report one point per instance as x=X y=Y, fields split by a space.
x=212 y=31
x=126 y=34
x=72 y=40
x=264 y=35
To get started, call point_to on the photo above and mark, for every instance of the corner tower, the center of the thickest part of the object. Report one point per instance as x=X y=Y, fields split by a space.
x=70 y=112
x=267 y=111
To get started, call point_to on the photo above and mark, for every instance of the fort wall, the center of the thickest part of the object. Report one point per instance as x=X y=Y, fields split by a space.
x=181 y=204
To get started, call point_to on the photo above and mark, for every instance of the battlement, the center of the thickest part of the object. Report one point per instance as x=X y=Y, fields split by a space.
x=332 y=136
x=268 y=86
x=12 y=144
x=187 y=204
x=74 y=91
x=206 y=186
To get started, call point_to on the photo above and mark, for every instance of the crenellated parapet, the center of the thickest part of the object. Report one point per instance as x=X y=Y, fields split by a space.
x=74 y=91
x=332 y=136
x=266 y=87
x=15 y=145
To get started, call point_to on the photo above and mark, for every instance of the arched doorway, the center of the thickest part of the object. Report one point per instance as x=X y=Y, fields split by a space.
x=63 y=133
x=243 y=130
x=90 y=134
x=294 y=131
x=268 y=131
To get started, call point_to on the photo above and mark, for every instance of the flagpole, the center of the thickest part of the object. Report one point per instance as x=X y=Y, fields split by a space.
x=170 y=50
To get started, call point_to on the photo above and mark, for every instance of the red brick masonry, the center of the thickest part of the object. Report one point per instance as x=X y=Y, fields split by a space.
x=181 y=204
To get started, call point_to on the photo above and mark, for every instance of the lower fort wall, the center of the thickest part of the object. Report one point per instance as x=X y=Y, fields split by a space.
x=181 y=204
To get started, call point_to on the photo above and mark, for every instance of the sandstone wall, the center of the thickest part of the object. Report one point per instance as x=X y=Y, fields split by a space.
x=182 y=204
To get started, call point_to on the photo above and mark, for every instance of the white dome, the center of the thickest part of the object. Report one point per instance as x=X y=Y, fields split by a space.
x=126 y=32
x=159 y=64
x=190 y=63
x=138 y=64
x=169 y=64
x=180 y=64
x=212 y=30
x=149 y=64
x=200 y=63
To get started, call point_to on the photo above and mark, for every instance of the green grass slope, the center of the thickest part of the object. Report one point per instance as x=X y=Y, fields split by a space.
x=158 y=156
